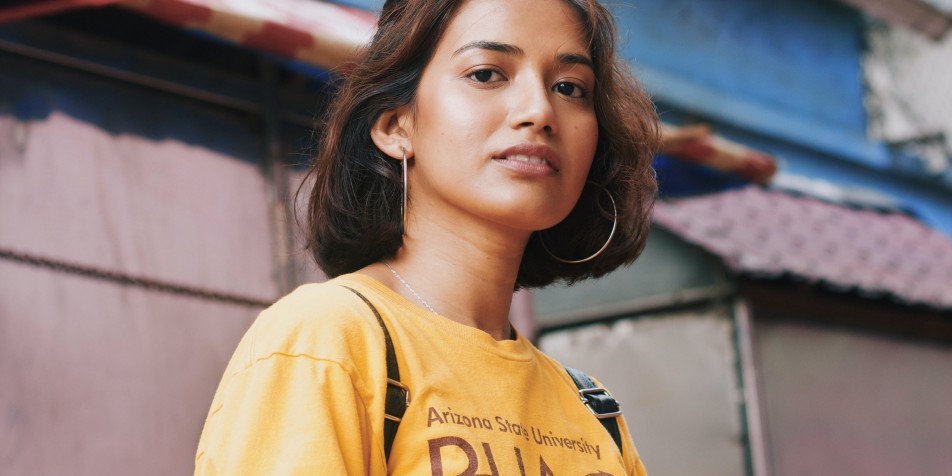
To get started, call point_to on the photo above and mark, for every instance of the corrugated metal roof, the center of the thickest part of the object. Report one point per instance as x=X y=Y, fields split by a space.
x=773 y=234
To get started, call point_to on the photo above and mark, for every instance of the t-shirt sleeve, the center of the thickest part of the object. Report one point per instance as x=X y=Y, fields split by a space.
x=632 y=459
x=288 y=415
x=629 y=453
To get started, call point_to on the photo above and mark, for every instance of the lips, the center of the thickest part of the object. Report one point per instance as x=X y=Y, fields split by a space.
x=530 y=158
x=527 y=158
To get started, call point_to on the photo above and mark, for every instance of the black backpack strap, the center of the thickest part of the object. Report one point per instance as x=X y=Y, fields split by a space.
x=398 y=395
x=601 y=403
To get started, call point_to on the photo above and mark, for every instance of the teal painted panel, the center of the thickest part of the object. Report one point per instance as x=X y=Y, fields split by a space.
x=667 y=265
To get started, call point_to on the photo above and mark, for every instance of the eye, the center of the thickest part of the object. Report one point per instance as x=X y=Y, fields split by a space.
x=485 y=76
x=571 y=90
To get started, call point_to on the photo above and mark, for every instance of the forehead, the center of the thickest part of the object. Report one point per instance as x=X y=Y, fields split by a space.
x=533 y=25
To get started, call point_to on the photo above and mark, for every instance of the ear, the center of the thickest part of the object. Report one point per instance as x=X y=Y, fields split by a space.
x=391 y=133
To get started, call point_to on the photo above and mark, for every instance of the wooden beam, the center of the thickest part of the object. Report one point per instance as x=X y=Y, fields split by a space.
x=785 y=299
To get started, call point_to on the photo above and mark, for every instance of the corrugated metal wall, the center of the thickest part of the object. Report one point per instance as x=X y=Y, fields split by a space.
x=95 y=377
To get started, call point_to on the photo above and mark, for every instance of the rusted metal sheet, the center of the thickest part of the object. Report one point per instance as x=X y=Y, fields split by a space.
x=675 y=377
x=839 y=402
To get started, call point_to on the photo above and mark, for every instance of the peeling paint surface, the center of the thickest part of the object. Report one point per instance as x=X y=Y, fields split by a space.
x=909 y=95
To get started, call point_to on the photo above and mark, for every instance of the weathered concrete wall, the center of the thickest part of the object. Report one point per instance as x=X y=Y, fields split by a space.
x=908 y=77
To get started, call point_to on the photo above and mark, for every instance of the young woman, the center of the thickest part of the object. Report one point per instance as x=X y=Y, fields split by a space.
x=479 y=146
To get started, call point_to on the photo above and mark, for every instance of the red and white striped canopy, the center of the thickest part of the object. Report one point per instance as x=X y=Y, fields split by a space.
x=328 y=35
x=318 y=33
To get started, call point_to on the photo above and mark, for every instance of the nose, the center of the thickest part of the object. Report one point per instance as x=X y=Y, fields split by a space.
x=532 y=108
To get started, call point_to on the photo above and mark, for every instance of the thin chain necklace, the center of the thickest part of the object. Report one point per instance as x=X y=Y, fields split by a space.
x=512 y=330
x=407 y=285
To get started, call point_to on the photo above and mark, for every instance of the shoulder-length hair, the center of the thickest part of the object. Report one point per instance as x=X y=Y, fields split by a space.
x=354 y=216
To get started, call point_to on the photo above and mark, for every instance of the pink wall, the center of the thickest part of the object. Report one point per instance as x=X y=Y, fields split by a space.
x=839 y=402
x=97 y=378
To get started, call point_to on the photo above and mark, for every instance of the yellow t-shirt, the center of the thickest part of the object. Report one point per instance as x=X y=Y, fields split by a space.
x=303 y=394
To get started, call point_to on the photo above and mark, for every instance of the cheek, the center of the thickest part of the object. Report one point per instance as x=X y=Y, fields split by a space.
x=585 y=134
x=590 y=132
x=448 y=133
x=454 y=118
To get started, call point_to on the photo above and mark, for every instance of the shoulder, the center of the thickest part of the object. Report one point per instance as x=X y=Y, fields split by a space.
x=554 y=368
x=628 y=451
x=573 y=378
x=322 y=321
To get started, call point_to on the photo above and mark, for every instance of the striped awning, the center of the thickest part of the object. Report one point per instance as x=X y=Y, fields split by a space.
x=319 y=33
x=329 y=35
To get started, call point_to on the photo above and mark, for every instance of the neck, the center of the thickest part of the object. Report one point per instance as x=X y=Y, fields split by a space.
x=466 y=277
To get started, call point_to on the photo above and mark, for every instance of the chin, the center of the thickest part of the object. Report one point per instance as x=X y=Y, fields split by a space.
x=525 y=211
x=532 y=221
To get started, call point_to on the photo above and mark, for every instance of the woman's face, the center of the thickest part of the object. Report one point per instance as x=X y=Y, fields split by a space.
x=504 y=128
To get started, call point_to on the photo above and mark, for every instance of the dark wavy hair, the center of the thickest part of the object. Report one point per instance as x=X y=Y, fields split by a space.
x=354 y=217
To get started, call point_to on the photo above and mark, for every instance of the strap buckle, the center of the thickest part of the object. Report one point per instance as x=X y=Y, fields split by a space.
x=405 y=391
x=590 y=397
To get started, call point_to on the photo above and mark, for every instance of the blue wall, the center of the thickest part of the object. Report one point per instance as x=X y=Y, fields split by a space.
x=373 y=5
x=37 y=89
x=788 y=69
x=783 y=76
x=800 y=57
x=932 y=204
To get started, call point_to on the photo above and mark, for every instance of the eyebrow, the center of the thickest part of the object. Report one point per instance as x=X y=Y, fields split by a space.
x=574 y=58
x=510 y=50
x=513 y=50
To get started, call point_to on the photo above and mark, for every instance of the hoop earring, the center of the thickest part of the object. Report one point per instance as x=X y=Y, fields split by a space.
x=403 y=207
x=600 y=250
